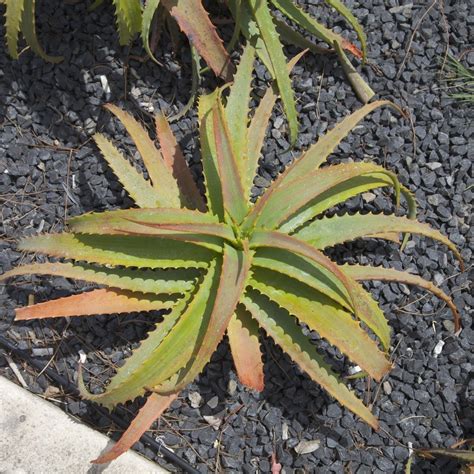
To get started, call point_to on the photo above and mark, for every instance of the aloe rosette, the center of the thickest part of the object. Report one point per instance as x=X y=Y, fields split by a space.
x=221 y=264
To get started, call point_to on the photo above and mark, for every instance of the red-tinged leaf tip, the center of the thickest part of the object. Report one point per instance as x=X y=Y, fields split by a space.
x=104 y=301
x=151 y=411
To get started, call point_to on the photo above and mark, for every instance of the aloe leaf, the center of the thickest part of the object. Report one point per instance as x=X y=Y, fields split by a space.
x=306 y=21
x=264 y=19
x=242 y=332
x=258 y=128
x=154 y=407
x=359 y=272
x=139 y=189
x=232 y=281
x=325 y=317
x=194 y=21
x=317 y=154
x=173 y=156
x=208 y=155
x=147 y=17
x=143 y=281
x=303 y=270
x=161 y=175
x=104 y=301
x=294 y=37
x=182 y=224
x=28 y=28
x=283 y=329
x=13 y=14
x=280 y=203
x=363 y=91
x=352 y=20
x=330 y=231
x=129 y=19
x=362 y=309
x=167 y=349
x=235 y=203
x=341 y=193
x=238 y=105
x=119 y=250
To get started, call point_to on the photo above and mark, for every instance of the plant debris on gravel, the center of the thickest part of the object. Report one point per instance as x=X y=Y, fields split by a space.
x=50 y=170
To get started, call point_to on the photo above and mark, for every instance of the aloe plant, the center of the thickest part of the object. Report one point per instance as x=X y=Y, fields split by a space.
x=224 y=265
x=254 y=19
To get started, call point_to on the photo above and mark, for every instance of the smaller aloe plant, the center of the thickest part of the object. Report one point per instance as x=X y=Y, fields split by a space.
x=225 y=265
x=254 y=19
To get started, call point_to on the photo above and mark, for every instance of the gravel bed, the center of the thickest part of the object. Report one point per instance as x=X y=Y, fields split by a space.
x=50 y=170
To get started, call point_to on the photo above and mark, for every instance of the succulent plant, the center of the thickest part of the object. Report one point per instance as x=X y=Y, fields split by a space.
x=254 y=19
x=225 y=265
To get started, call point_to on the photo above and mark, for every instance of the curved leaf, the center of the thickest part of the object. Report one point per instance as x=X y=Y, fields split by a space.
x=330 y=231
x=147 y=17
x=120 y=250
x=104 y=301
x=142 y=281
x=28 y=28
x=232 y=280
x=329 y=320
x=280 y=203
x=360 y=272
x=282 y=328
x=245 y=348
x=167 y=349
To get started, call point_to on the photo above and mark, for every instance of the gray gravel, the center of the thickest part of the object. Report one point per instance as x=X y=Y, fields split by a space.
x=49 y=170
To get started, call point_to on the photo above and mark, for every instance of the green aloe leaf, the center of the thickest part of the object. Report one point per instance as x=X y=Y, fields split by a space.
x=232 y=281
x=167 y=348
x=329 y=320
x=13 y=16
x=139 y=189
x=28 y=28
x=208 y=155
x=119 y=250
x=173 y=156
x=180 y=224
x=235 y=202
x=129 y=19
x=161 y=175
x=282 y=328
x=143 y=281
x=280 y=203
x=237 y=109
x=148 y=14
x=270 y=37
x=317 y=154
x=352 y=20
x=258 y=128
x=359 y=272
x=330 y=231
